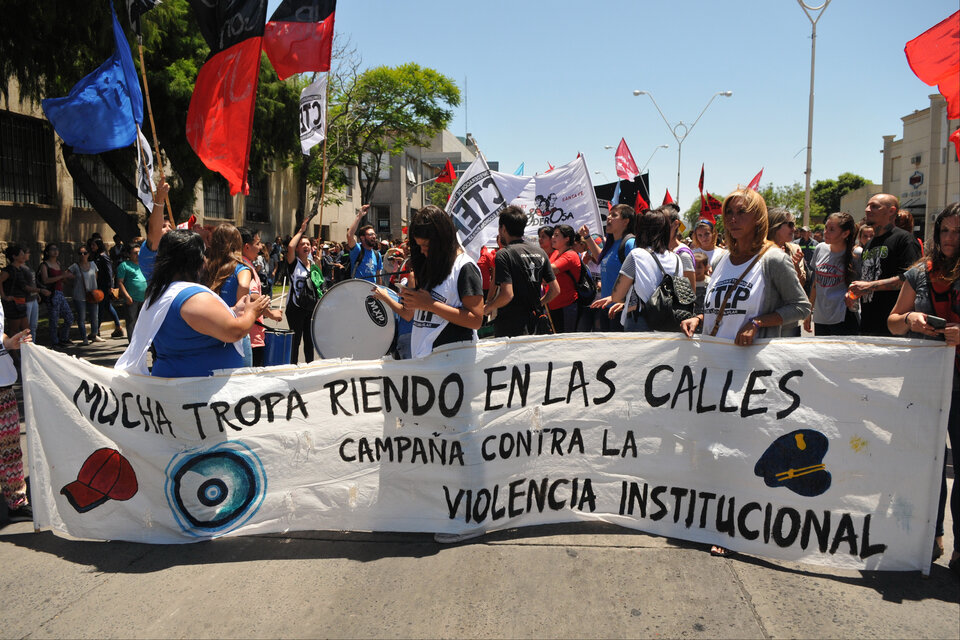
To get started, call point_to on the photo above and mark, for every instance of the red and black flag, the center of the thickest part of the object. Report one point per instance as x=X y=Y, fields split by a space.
x=710 y=207
x=448 y=173
x=299 y=36
x=220 y=117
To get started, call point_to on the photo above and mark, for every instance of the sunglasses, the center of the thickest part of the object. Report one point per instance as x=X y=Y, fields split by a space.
x=791 y=224
x=83 y=253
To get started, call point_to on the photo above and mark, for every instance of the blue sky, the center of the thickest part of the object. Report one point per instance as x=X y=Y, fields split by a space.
x=548 y=78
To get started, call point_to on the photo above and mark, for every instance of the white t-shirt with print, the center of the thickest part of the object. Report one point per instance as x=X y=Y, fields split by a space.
x=743 y=305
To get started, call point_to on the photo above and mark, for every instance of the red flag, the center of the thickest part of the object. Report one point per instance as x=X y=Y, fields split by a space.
x=299 y=36
x=933 y=56
x=626 y=167
x=550 y=169
x=955 y=139
x=668 y=199
x=220 y=117
x=188 y=225
x=755 y=183
x=448 y=173
x=710 y=207
x=701 y=181
x=640 y=204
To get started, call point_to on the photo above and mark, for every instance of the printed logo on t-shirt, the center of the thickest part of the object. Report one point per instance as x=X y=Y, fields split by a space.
x=427 y=319
x=738 y=298
x=829 y=275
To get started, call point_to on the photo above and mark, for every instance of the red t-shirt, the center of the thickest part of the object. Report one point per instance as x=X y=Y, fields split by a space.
x=566 y=266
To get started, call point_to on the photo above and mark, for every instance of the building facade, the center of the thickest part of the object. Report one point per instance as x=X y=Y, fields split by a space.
x=921 y=167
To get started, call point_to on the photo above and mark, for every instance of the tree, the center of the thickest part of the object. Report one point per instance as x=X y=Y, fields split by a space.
x=692 y=214
x=174 y=51
x=437 y=193
x=827 y=193
x=377 y=113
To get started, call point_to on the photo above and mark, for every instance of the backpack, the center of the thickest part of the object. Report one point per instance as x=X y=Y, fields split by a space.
x=586 y=287
x=671 y=303
x=622 y=249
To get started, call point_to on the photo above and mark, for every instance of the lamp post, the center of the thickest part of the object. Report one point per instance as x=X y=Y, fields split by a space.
x=686 y=128
x=663 y=146
x=813 y=57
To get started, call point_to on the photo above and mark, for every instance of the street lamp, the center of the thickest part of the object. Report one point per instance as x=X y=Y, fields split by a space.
x=663 y=146
x=813 y=57
x=686 y=128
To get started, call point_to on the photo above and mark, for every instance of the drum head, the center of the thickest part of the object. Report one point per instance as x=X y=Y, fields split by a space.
x=348 y=322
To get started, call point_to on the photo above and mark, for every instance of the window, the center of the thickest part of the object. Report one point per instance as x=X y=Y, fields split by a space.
x=411 y=166
x=257 y=204
x=381 y=216
x=349 y=175
x=27 y=166
x=385 y=166
x=217 y=202
x=107 y=183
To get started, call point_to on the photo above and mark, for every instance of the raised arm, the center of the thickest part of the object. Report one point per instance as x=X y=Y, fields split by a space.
x=155 y=221
x=352 y=231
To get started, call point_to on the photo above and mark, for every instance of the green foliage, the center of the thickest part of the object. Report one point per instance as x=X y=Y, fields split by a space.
x=691 y=215
x=827 y=193
x=437 y=193
x=378 y=112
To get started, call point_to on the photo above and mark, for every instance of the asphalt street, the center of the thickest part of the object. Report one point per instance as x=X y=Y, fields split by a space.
x=583 y=580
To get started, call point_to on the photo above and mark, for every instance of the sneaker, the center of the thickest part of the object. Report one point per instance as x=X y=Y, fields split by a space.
x=85 y=342
x=117 y=333
x=98 y=339
x=23 y=513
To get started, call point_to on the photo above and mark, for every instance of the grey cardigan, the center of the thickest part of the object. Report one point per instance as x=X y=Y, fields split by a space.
x=782 y=291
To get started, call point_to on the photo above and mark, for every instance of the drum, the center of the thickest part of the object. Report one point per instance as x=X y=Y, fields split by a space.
x=278 y=345
x=348 y=322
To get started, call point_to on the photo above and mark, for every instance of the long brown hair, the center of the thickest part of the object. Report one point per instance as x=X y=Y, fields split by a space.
x=223 y=256
x=949 y=268
x=847 y=223
x=756 y=208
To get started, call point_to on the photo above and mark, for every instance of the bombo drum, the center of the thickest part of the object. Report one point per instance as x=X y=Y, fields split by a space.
x=349 y=322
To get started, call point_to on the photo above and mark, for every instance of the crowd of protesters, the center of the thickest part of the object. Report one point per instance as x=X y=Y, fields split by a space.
x=763 y=277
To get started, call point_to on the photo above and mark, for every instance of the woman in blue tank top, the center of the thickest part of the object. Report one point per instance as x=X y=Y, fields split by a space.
x=226 y=274
x=196 y=335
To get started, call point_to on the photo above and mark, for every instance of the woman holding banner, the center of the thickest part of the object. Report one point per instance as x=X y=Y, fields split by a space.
x=928 y=308
x=447 y=304
x=192 y=329
x=754 y=290
x=11 y=456
x=566 y=266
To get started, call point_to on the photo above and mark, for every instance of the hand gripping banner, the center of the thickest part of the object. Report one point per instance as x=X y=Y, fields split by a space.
x=814 y=450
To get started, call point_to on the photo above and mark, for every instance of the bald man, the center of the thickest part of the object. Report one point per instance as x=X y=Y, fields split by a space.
x=891 y=252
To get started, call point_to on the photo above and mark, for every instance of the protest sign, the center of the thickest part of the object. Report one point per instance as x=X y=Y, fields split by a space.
x=565 y=195
x=826 y=452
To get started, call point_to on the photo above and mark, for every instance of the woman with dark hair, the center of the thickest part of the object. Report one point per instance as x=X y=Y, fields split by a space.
x=226 y=274
x=52 y=276
x=105 y=282
x=12 y=482
x=300 y=304
x=566 y=266
x=618 y=244
x=545 y=238
x=447 y=304
x=252 y=248
x=193 y=331
x=13 y=286
x=754 y=289
x=86 y=296
x=780 y=226
x=931 y=288
x=643 y=269
x=833 y=313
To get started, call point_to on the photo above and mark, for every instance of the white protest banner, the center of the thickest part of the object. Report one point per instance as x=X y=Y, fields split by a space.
x=565 y=195
x=313 y=113
x=827 y=452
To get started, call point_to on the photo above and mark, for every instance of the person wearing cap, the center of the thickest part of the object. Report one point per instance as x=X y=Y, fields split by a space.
x=11 y=456
x=705 y=236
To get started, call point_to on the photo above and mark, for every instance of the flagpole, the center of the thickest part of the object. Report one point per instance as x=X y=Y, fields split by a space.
x=153 y=128
x=323 y=173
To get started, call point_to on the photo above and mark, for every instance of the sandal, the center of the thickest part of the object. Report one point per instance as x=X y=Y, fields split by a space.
x=722 y=552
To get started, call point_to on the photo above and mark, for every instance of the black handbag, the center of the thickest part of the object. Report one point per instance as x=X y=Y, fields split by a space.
x=671 y=302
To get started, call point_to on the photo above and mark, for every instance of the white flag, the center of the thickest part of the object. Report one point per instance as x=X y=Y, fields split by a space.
x=313 y=113
x=144 y=170
x=563 y=196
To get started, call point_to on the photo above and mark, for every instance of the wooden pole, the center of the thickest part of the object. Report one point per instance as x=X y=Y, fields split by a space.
x=323 y=174
x=153 y=127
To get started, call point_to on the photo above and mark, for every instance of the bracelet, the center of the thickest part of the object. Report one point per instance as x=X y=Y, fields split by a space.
x=756 y=323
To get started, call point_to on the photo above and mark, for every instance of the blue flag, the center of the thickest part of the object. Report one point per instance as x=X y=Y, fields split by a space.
x=519 y=171
x=102 y=111
x=615 y=200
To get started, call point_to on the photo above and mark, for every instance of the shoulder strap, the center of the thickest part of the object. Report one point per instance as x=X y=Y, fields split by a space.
x=726 y=297
x=657 y=260
x=622 y=249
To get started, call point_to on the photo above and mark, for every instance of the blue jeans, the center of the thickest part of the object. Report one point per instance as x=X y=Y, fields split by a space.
x=85 y=309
